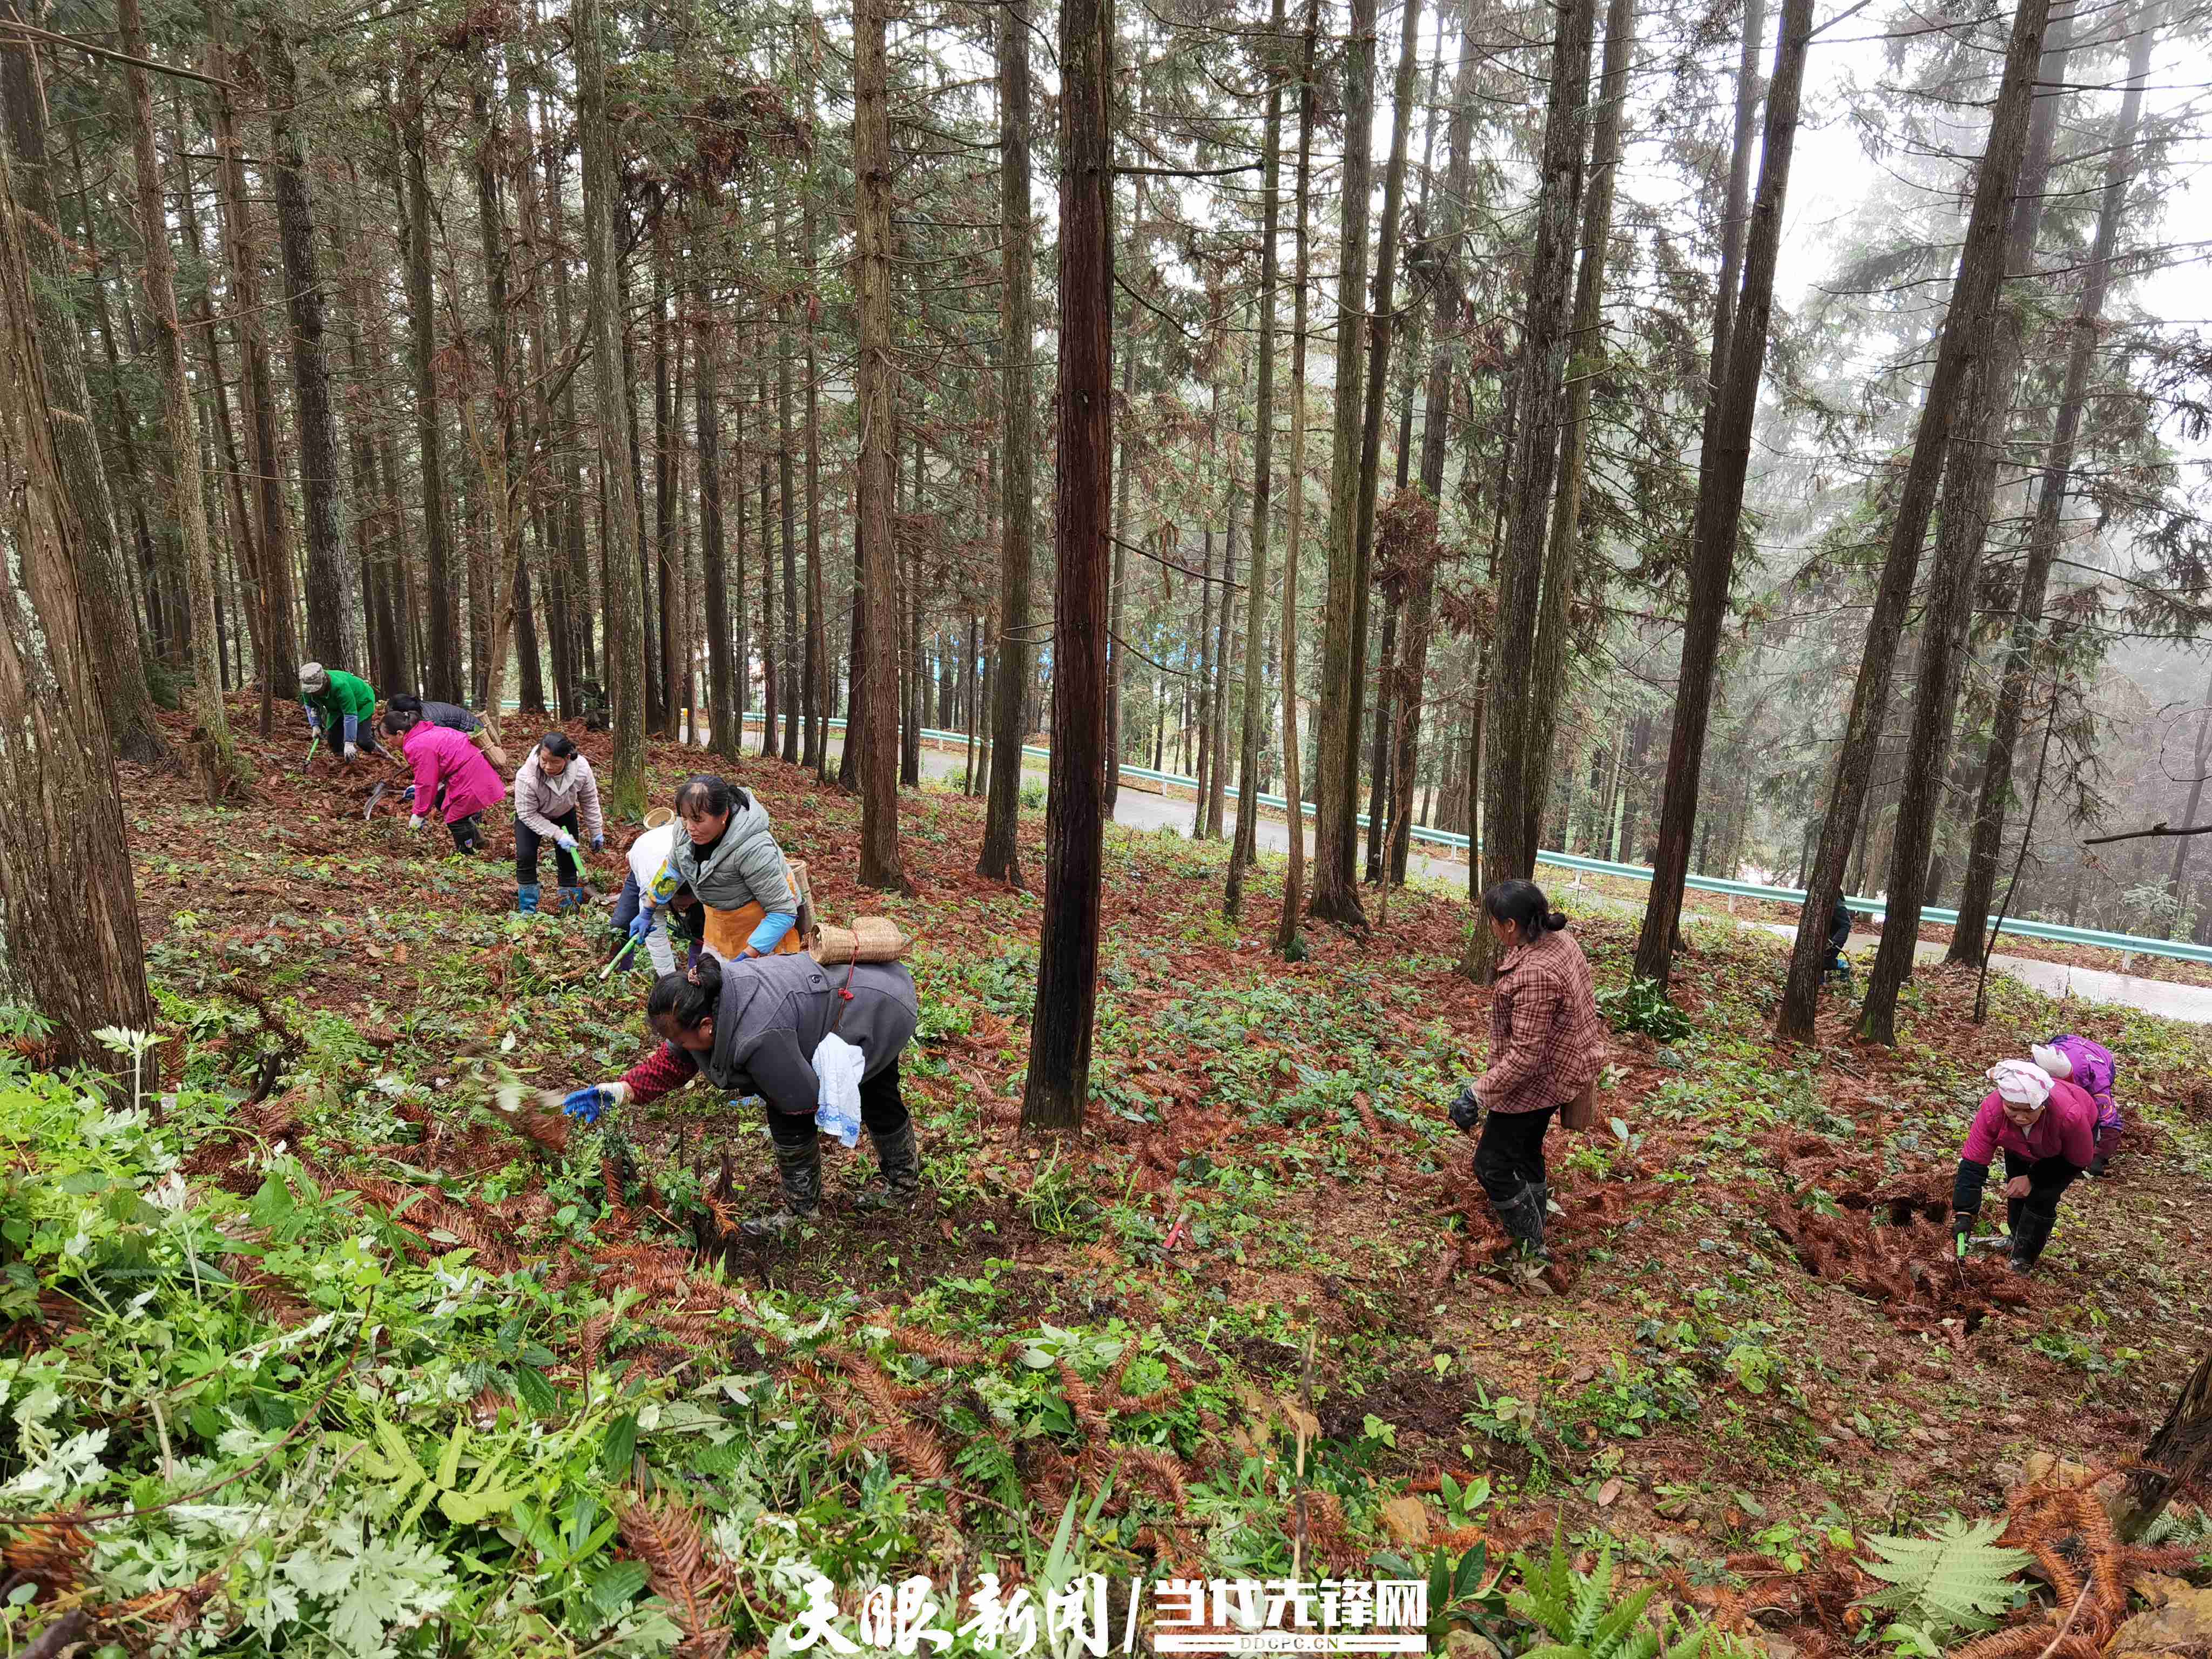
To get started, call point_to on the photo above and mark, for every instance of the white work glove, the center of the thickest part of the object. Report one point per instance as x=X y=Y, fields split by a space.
x=415 y=822
x=352 y=751
x=564 y=840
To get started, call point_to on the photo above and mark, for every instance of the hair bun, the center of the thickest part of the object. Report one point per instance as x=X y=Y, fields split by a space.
x=1555 y=922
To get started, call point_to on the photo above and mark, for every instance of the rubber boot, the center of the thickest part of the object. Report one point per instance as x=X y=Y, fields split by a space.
x=571 y=898
x=2029 y=1235
x=896 y=1184
x=525 y=899
x=799 y=1170
x=1522 y=1218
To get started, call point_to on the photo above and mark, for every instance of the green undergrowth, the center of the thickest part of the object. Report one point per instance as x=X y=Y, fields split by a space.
x=280 y=1382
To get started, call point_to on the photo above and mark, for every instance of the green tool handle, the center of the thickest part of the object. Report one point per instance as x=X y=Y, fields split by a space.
x=616 y=961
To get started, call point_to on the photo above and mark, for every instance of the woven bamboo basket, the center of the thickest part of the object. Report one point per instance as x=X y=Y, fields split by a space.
x=658 y=817
x=870 y=938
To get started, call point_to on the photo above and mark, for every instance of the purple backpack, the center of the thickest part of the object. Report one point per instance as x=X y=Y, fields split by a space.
x=2096 y=1072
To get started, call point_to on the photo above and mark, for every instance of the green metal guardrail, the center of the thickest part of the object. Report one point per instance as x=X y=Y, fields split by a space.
x=2053 y=932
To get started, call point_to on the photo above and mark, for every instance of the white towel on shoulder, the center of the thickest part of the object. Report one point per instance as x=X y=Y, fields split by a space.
x=837 y=1067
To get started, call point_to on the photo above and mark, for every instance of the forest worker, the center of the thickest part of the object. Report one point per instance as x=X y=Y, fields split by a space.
x=454 y=718
x=682 y=917
x=2047 y=1128
x=450 y=776
x=727 y=855
x=1838 y=965
x=752 y=1027
x=2092 y=1068
x=340 y=706
x=1546 y=1044
x=556 y=798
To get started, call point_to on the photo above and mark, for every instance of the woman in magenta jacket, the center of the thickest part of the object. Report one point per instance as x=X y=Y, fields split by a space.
x=441 y=755
x=2047 y=1130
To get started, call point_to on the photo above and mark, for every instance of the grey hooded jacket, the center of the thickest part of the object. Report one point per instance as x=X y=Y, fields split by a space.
x=747 y=867
x=775 y=1010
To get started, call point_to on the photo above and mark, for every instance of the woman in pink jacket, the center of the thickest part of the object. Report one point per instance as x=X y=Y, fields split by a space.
x=444 y=757
x=2047 y=1130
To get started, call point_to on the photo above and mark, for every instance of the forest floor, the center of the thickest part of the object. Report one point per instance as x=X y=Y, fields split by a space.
x=1262 y=1270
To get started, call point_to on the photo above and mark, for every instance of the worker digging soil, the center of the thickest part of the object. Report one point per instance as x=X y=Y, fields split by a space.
x=2047 y=1129
x=761 y=1026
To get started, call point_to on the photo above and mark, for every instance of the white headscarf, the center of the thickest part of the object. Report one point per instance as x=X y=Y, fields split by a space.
x=2021 y=1081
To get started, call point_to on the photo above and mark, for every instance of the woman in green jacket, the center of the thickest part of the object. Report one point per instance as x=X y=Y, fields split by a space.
x=341 y=707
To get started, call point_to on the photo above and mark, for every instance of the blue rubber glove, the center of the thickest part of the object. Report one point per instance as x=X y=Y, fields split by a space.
x=641 y=924
x=588 y=1102
x=598 y=843
x=408 y=794
x=769 y=935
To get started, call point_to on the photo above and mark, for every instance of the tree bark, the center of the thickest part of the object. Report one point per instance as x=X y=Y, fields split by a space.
x=1967 y=329
x=1514 y=772
x=2043 y=541
x=1382 y=323
x=1059 y=1081
x=441 y=667
x=661 y=588
x=879 y=418
x=705 y=383
x=1335 y=895
x=1717 y=522
x=216 y=756
x=1001 y=853
x=1969 y=480
x=625 y=602
x=319 y=484
x=1585 y=361
x=1287 y=942
x=119 y=666
x=795 y=689
x=2177 y=1453
x=1243 y=847
x=80 y=964
x=257 y=397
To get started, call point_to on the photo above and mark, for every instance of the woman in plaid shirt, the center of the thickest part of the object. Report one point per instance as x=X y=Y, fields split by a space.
x=1546 y=1044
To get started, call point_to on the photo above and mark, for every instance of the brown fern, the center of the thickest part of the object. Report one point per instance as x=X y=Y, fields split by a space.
x=942 y=1350
x=684 y=1571
x=52 y=1550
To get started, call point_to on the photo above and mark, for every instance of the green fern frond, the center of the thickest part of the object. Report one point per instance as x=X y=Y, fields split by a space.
x=1558 y=1650
x=1577 y=1611
x=1958 y=1575
x=1592 y=1596
x=1606 y=1635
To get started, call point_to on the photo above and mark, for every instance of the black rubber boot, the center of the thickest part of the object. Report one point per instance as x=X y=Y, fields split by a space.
x=799 y=1170
x=2030 y=1233
x=1522 y=1218
x=896 y=1184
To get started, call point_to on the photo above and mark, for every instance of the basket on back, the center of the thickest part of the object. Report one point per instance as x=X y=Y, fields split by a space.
x=870 y=938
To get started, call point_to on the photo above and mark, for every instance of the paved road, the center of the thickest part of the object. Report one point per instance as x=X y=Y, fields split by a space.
x=1138 y=809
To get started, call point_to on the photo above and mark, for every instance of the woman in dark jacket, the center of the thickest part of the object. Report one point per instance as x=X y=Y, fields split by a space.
x=1546 y=1044
x=752 y=1026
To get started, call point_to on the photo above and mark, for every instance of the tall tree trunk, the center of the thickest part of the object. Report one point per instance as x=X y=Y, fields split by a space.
x=879 y=418
x=1719 y=515
x=819 y=669
x=1968 y=326
x=81 y=964
x=319 y=486
x=1059 y=1082
x=1446 y=262
x=1381 y=324
x=771 y=676
x=119 y=666
x=441 y=667
x=215 y=754
x=1335 y=897
x=257 y=395
x=1242 y=850
x=661 y=588
x=2043 y=540
x=1513 y=785
x=1970 y=479
x=165 y=625
x=1203 y=773
x=1001 y=853
x=795 y=698
x=1586 y=357
x=625 y=602
x=2201 y=760
x=722 y=667
x=1287 y=928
